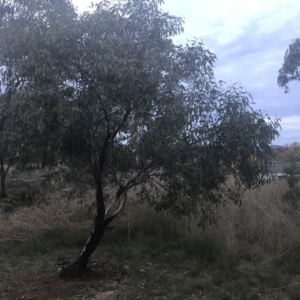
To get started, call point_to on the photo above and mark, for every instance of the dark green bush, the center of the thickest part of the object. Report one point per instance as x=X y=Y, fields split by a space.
x=293 y=171
x=292 y=195
x=27 y=196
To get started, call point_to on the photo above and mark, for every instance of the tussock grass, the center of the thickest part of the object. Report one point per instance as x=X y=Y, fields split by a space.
x=263 y=225
x=251 y=251
x=59 y=213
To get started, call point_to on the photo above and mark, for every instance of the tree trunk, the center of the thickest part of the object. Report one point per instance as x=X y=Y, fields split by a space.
x=77 y=268
x=43 y=164
x=3 y=177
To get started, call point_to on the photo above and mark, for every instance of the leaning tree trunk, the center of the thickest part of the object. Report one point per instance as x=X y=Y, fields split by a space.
x=78 y=267
x=3 y=178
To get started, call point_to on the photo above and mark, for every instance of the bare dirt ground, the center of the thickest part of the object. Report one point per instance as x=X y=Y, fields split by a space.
x=99 y=283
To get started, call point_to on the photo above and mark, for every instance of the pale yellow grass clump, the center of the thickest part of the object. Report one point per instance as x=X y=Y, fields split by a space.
x=29 y=222
x=263 y=223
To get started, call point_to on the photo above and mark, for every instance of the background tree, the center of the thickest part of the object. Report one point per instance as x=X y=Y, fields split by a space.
x=292 y=155
x=7 y=88
x=292 y=151
x=6 y=157
x=288 y=152
x=123 y=106
x=23 y=68
x=290 y=69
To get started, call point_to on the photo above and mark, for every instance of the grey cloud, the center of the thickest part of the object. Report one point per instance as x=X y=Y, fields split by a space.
x=253 y=59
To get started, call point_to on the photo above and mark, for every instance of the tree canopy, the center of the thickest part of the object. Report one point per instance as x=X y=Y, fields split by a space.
x=116 y=103
x=290 y=70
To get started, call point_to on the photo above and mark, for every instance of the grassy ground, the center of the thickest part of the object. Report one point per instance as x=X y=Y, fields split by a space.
x=252 y=252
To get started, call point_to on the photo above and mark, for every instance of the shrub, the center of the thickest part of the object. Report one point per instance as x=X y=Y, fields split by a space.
x=293 y=171
x=25 y=197
x=292 y=195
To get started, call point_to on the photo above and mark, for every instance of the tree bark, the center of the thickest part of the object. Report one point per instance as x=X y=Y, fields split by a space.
x=78 y=267
x=44 y=158
x=43 y=164
x=3 y=178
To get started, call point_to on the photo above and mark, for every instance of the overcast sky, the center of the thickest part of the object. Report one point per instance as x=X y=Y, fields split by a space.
x=249 y=38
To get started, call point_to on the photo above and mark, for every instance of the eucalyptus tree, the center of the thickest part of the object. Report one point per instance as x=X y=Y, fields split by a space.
x=5 y=158
x=6 y=90
x=129 y=108
x=290 y=70
x=32 y=85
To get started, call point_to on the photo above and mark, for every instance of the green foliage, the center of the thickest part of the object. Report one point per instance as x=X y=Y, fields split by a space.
x=27 y=196
x=293 y=172
x=292 y=195
x=114 y=102
x=290 y=68
x=294 y=175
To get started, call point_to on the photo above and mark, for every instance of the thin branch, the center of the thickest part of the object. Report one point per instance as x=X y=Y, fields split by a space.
x=103 y=107
x=122 y=205
x=123 y=190
x=115 y=175
x=138 y=179
x=110 y=205
x=159 y=184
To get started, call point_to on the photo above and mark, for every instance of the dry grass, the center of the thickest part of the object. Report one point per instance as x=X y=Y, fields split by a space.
x=263 y=223
x=28 y=222
x=251 y=250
